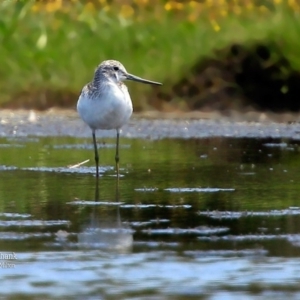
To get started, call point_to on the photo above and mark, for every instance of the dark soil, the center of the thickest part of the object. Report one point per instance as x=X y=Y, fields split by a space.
x=239 y=78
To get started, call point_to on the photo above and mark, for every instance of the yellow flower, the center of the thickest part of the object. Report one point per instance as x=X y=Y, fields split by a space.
x=223 y=12
x=127 y=11
x=192 y=17
x=194 y=4
x=89 y=7
x=35 y=7
x=237 y=9
x=209 y=3
x=263 y=9
x=141 y=2
x=215 y=25
x=52 y=6
x=293 y=4
x=173 y=5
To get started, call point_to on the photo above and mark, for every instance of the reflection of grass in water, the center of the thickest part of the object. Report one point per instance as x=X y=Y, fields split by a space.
x=153 y=165
x=55 y=45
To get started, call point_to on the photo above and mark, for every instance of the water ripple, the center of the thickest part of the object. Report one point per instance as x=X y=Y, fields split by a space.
x=198 y=190
x=243 y=214
x=33 y=223
x=201 y=230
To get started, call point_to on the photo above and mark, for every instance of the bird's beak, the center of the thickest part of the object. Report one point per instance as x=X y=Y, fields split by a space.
x=139 y=79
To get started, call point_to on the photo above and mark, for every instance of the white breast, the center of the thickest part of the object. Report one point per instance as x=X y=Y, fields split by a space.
x=111 y=109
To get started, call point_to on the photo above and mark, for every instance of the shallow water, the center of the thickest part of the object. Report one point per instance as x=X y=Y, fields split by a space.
x=191 y=218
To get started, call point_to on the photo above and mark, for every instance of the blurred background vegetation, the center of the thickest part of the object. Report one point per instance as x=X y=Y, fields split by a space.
x=209 y=54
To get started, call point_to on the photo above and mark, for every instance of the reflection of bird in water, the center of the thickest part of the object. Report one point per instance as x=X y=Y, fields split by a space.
x=106 y=234
x=105 y=102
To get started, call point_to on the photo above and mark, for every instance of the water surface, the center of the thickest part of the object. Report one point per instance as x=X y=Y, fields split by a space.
x=191 y=218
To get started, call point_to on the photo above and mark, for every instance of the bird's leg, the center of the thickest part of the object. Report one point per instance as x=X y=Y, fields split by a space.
x=96 y=153
x=97 y=190
x=117 y=153
x=118 y=206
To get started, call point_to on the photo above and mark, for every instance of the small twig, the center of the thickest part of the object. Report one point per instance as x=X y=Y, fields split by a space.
x=79 y=164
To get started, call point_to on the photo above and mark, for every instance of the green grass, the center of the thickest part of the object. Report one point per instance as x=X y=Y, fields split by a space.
x=43 y=51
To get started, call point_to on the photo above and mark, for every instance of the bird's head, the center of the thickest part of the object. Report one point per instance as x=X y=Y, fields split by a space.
x=115 y=71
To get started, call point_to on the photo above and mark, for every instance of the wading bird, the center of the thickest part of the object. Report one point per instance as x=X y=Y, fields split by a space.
x=105 y=103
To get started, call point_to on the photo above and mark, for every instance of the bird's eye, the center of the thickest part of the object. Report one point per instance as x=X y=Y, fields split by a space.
x=116 y=68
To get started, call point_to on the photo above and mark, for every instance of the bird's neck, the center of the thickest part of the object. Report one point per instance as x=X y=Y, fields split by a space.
x=99 y=78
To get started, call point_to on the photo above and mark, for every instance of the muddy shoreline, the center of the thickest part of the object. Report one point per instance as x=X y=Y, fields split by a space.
x=153 y=125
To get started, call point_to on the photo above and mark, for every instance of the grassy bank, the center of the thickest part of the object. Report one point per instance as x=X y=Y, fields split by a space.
x=49 y=49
